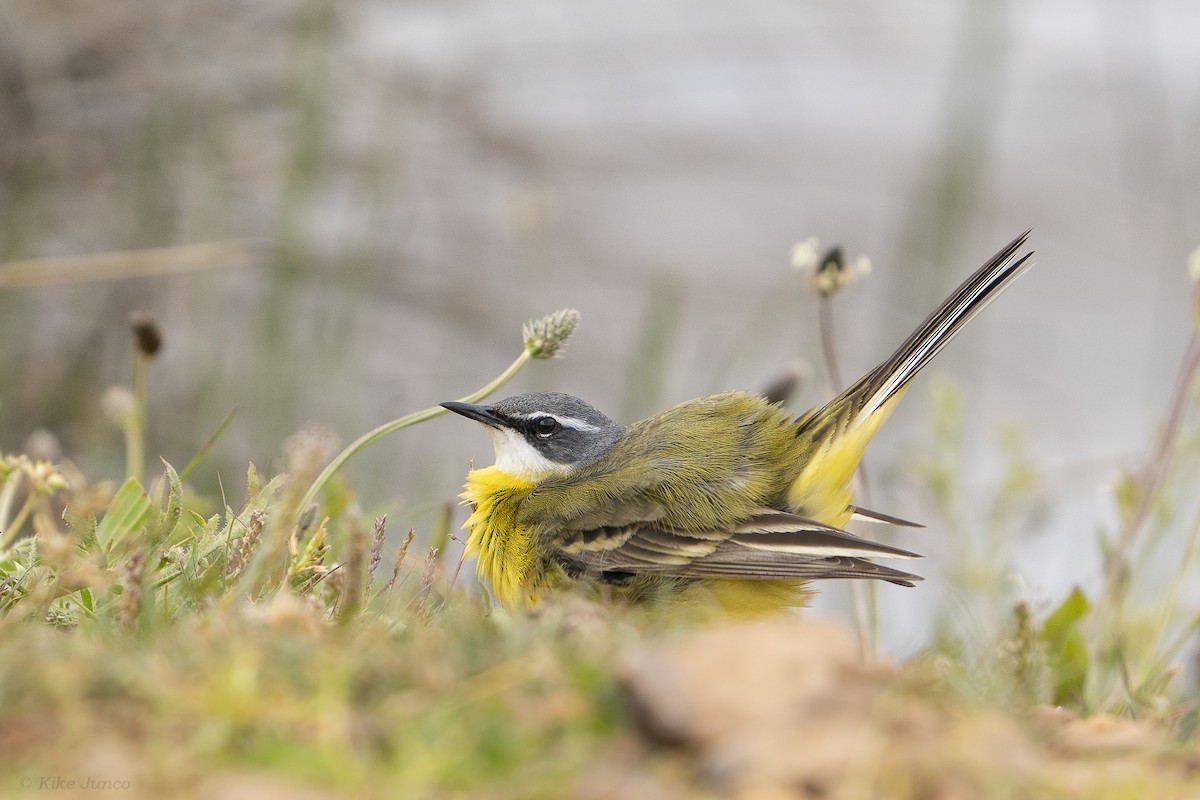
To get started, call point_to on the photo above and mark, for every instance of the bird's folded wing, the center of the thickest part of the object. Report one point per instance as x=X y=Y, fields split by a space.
x=771 y=545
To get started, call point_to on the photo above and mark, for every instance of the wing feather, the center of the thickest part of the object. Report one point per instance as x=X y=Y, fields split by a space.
x=810 y=569
x=867 y=515
x=771 y=545
x=787 y=533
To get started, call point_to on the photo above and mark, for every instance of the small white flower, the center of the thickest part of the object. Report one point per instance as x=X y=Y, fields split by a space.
x=804 y=254
x=1193 y=265
x=117 y=404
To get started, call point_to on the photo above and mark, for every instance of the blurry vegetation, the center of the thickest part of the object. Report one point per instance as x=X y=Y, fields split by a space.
x=1119 y=648
x=147 y=643
x=259 y=641
x=174 y=638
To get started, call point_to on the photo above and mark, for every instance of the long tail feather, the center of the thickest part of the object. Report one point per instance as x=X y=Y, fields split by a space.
x=882 y=383
x=834 y=436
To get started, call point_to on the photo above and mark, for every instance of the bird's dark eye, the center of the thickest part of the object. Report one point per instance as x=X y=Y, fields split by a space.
x=545 y=426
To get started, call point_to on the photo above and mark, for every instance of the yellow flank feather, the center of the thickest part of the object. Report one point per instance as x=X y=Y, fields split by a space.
x=503 y=548
x=823 y=491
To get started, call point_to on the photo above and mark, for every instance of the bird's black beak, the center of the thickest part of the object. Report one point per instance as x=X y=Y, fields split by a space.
x=482 y=414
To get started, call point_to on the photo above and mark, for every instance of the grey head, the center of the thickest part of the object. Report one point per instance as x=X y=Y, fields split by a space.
x=543 y=433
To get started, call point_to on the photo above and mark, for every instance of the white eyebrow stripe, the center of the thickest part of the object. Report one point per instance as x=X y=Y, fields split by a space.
x=566 y=422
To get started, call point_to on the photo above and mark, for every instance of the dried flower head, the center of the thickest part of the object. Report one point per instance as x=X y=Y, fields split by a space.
x=42 y=477
x=378 y=534
x=131 y=582
x=9 y=465
x=309 y=567
x=243 y=548
x=146 y=333
x=546 y=336
x=787 y=383
x=829 y=272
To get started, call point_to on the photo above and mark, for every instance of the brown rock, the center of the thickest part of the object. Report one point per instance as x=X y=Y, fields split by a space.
x=784 y=702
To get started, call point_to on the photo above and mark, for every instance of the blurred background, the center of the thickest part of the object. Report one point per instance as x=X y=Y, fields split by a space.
x=365 y=200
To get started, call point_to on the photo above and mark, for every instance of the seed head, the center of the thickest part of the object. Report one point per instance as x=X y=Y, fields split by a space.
x=131 y=581
x=829 y=272
x=42 y=476
x=146 y=334
x=546 y=336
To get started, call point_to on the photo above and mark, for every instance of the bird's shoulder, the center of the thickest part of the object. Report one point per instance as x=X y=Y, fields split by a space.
x=712 y=438
x=711 y=425
x=728 y=407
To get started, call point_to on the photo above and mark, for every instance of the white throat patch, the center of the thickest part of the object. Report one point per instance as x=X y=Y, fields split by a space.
x=517 y=457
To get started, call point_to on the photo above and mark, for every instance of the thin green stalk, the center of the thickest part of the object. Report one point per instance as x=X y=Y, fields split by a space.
x=208 y=446
x=1170 y=602
x=403 y=422
x=10 y=533
x=129 y=264
x=864 y=595
x=543 y=338
x=1147 y=488
x=1152 y=477
x=135 y=421
x=7 y=495
x=1168 y=654
x=828 y=344
x=825 y=319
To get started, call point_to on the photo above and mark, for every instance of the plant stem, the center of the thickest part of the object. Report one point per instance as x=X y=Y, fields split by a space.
x=7 y=495
x=129 y=264
x=135 y=422
x=825 y=318
x=403 y=422
x=10 y=533
x=1155 y=471
x=212 y=440
x=1170 y=601
x=864 y=598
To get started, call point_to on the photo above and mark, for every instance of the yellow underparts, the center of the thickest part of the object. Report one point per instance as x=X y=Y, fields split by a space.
x=752 y=598
x=503 y=549
x=822 y=491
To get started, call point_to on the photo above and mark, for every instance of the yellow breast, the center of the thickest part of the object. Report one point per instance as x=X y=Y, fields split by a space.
x=503 y=548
